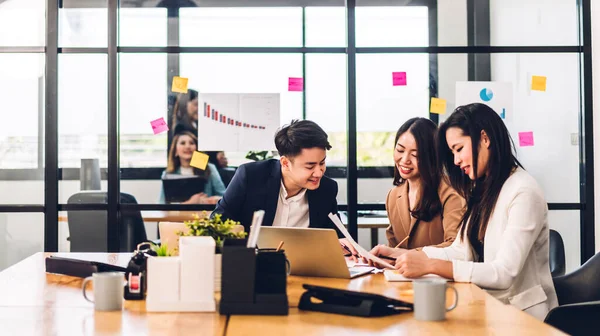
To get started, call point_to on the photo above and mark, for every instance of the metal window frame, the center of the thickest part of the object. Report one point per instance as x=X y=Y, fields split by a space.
x=478 y=58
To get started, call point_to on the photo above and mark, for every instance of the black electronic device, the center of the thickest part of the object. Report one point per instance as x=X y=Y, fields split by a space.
x=339 y=301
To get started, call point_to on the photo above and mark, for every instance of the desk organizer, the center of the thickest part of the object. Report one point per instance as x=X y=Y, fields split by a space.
x=254 y=282
x=184 y=283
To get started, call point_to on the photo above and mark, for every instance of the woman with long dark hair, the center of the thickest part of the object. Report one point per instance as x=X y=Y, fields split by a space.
x=422 y=209
x=185 y=113
x=504 y=237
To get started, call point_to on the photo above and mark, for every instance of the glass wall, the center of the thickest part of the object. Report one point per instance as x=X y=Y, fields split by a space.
x=234 y=47
x=22 y=84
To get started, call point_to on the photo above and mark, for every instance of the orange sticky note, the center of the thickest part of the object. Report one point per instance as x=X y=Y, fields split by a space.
x=438 y=105
x=179 y=84
x=199 y=160
x=538 y=83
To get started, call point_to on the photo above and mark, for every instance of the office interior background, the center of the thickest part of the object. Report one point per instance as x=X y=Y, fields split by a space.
x=83 y=79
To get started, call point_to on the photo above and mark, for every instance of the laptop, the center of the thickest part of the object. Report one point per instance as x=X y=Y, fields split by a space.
x=178 y=190
x=311 y=252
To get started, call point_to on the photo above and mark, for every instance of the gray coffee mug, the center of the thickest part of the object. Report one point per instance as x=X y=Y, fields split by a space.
x=430 y=299
x=108 y=290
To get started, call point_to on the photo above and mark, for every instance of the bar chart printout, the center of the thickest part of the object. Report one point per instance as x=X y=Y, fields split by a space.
x=238 y=121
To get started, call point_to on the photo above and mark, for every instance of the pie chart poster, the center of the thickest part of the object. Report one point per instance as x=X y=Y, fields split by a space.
x=497 y=95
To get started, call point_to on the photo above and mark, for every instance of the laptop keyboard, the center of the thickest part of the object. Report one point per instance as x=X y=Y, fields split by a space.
x=357 y=270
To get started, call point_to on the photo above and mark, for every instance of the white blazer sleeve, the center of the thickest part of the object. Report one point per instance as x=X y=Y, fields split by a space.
x=525 y=221
x=458 y=250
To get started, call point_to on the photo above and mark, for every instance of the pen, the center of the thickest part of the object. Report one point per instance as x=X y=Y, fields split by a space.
x=400 y=243
x=386 y=257
x=403 y=240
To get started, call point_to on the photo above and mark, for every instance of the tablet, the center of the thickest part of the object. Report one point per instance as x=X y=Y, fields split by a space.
x=181 y=189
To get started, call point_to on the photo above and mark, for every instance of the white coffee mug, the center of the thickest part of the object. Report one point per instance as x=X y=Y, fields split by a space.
x=430 y=299
x=108 y=290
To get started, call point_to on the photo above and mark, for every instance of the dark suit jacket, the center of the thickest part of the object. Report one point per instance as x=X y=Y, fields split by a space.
x=255 y=186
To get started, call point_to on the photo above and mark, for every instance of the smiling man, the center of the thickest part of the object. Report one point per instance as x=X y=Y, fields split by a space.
x=293 y=191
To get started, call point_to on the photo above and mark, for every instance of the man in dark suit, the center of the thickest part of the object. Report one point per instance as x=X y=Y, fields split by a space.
x=293 y=190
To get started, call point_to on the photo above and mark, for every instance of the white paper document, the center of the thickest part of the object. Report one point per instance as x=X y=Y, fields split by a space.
x=364 y=253
x=393 y=275
x=257 y=219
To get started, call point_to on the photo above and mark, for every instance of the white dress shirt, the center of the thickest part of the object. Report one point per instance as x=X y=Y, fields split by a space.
x=293 y=211
x=516 y=270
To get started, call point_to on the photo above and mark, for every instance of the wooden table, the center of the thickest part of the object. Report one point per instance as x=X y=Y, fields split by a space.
x=372 y=223
x=477 y=313
x=35 y=303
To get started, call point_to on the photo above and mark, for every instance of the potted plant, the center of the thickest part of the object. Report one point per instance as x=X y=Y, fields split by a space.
x=161 y=250
x=162 y=269
x=259 y=155
x=219 y=230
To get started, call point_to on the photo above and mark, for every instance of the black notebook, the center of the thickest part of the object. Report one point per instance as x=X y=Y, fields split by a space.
x=178 y=190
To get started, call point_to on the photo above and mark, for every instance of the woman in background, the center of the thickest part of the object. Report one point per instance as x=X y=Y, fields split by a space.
x=185 y=116
x=423 y=210
x=504 y=238
x=220 y=161
x=180 y=155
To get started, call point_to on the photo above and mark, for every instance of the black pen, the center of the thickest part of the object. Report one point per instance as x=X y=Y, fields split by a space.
x=386 y=257
x=347 y=249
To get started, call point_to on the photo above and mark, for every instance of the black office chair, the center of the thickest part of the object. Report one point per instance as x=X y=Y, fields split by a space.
x=557 y=254
x=87 y=229
x=581 y=285
x=576 y=319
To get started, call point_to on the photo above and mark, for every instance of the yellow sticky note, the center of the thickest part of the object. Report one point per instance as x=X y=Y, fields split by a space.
x=438 y=105
x=179 y=85
x=199 y=160
x=538 y=83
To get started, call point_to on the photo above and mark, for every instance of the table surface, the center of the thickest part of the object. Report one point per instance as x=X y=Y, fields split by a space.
x=35 y=303
x=477 y=313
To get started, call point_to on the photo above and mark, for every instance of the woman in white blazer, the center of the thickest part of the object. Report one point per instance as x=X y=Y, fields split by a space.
x=504 y=235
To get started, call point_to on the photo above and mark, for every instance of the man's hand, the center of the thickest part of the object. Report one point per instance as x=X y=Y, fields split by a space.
x=349 y=250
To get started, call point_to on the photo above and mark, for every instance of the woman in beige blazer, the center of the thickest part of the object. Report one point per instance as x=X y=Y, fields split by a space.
x=504 y=239
x=423 y=211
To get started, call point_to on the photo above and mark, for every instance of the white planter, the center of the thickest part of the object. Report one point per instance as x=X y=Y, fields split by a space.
x=163 y=283
x=185 y=283
x=218 y=268
x=198 y=272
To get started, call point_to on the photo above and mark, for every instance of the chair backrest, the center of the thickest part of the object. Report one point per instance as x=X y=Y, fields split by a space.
x=576 y=319
x=87 y=229
x=169 y=234
x=557 y=254
x=581 y=285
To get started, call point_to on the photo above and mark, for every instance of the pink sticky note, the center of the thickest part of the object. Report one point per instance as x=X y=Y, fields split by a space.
x=399 y=78
x=525 y=139
x=295 y=84
x=159 y=125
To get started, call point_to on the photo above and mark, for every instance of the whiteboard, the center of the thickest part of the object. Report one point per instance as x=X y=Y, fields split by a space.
x=552 y=116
